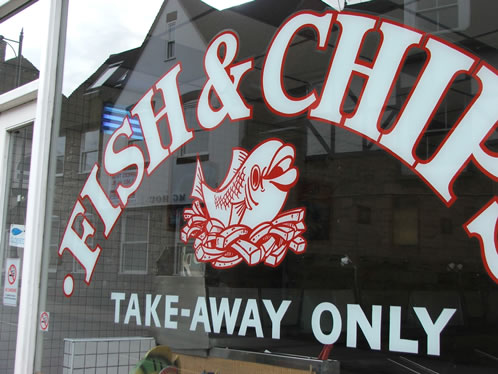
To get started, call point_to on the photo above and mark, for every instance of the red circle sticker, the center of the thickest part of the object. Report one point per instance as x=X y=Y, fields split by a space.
x=44 y=319
x=12 y=274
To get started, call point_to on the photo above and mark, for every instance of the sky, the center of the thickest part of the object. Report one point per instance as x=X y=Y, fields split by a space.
x=96 y=29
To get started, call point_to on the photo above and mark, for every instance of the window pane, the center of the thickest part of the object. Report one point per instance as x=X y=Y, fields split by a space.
x=22 y=32
x=171 y=49
x=448 y=18
x=136 y=228
x=134 y=258
x=254 y=192
x=104 y=77
x=90 y=141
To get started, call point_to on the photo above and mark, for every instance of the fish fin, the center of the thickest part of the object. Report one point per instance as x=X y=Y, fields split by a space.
x=239 y=155
x=238 y=210
x=198 y=182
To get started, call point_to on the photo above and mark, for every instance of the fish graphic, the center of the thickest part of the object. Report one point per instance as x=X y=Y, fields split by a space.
x=255 y=187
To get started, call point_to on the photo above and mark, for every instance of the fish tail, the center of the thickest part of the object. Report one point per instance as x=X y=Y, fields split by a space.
x=198 y=182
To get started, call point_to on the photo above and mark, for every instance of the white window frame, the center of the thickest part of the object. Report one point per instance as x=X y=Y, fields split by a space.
x=82 y=169
x=58 y=154
x=39 y=102
x=17 y=108
x=124 y=218
x=196 y=128
x=104 y=77
x=170 y=32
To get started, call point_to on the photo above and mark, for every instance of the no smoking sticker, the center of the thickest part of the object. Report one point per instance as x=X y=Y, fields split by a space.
x=44 y=321
x=12 y=274
x=11 y=284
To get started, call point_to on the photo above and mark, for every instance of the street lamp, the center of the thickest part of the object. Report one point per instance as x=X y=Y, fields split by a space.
x=346 y=261
x=19 y=53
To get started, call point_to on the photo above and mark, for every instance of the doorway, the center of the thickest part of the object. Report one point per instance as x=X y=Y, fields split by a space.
x=16 y=181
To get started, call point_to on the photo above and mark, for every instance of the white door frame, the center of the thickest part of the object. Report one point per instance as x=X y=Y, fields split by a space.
x=17 y=109
x=47 y=111
x=34 y=102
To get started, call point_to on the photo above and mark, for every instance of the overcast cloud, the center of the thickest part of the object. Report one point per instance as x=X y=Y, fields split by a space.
x=96 y=29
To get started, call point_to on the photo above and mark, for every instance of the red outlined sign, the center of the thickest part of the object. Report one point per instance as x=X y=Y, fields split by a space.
x=11 y=283
x=44 y=321
x=241 y=220
x=12 y=274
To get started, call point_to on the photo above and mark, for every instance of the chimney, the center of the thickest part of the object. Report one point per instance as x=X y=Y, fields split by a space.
x=3 y=47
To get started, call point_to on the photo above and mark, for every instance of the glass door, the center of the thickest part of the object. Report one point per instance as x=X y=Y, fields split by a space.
x=12 y=242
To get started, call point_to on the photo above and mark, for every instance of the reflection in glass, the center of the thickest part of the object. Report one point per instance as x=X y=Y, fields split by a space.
x=379 y=241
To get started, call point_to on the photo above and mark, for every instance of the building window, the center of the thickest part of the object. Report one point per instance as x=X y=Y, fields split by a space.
x=438 y=16
x=102 y=79
x=134 y=243
x=60 y=149
x=170 y=43
x=89 y=150
x=405 y=222
x=200 y=143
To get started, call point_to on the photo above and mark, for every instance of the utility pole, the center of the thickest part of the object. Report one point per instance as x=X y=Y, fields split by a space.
x=19 y=58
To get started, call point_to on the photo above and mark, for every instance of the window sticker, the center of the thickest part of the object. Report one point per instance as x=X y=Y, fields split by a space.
x=231 y=227
x=11 y=283
x=241 y=219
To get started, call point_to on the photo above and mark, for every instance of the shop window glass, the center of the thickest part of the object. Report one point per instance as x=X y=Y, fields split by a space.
x=180 y=240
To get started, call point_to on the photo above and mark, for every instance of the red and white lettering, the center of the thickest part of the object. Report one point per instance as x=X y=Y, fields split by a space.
x=443 y=65
x=274 y=93
x=343 y=66
x=223 y=80
x=380 y=76
x=171 y=111
x=466 y=140
x=76 y=244
x=117 y=161
x=484 y=226
x=93 y=191
x=444 y=62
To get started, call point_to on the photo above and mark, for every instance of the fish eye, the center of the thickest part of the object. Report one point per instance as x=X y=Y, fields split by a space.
x=255 y=177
